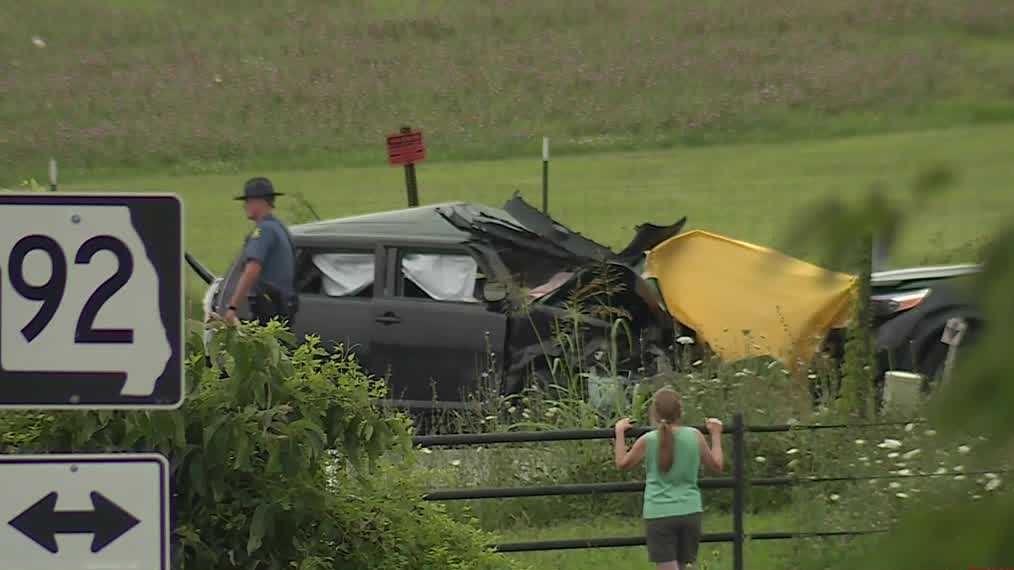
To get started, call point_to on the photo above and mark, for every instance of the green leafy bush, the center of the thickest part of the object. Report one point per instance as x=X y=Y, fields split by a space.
x=288 y=462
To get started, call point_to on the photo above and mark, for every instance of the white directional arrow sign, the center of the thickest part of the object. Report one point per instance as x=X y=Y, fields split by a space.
x=82 y=512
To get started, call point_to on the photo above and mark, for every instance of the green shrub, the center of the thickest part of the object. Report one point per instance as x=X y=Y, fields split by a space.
x=287 y=463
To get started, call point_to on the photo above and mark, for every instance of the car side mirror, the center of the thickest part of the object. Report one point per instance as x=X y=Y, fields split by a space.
x=494 y=292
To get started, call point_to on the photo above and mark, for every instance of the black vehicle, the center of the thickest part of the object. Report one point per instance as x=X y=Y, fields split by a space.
x=436 y=298
x=912 y=308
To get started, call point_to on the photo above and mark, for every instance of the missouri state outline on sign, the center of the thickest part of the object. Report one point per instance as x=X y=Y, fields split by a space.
x=90 y=301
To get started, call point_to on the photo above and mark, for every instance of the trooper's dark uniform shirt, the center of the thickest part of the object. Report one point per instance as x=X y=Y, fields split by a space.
x=273 y=294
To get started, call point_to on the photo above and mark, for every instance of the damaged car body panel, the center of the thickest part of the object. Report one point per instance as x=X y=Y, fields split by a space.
x=434 y=298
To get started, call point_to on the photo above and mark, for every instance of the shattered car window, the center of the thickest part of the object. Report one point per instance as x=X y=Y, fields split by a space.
x=529 y=270
x=344 y=274
x=441 y=277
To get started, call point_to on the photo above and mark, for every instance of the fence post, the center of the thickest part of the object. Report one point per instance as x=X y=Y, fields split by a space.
x=545 y=175
x=739 y=490
x=52 y=174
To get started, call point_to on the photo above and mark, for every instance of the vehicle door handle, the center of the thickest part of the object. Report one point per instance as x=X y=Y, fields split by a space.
x=389 y=319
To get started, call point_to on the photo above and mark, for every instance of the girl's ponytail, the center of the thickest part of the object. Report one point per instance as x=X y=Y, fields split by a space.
x=665 y=452
x=666 y=409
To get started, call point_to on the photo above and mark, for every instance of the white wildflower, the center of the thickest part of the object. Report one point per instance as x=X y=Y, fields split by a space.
x=218 y=78
x=889 y=444
x=940 y=471
x=992 y=476
x=456 y=463
x=993 y=484
x=958 y=468
x=772 y=364
x=909 y=427
x=685 y=340
x=426 y=450
x=976 y=497
x=834 y=497
x=792 y=421
x=792 y=451
x=793 y=464
x=960 y=478
x=905 y=472
x=811 y=376
x=894 y=485
x=864 y=459
x=901 y=495
x=38 y=42
x=964 y=450
x=911 y=454
x=760 y=459
x=860 y=442
x=698 y=363
x=739 y=374
x=893 y=454
x=511 y=410
x=930 y=432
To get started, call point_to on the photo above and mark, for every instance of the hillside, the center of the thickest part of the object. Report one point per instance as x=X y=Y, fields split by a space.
x=200 y=86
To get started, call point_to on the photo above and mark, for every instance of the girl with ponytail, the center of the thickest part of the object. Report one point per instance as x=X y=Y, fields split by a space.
x=673 y=455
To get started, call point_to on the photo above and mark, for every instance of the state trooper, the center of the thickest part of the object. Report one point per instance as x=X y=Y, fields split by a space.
x=268 y=277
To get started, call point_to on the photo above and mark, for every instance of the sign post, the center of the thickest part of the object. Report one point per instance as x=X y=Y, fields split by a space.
x=405 y=149
x=64 y=512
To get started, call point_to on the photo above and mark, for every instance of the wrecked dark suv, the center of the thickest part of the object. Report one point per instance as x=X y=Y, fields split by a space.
x=439 y=297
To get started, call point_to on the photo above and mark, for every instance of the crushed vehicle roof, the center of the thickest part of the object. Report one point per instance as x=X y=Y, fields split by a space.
x=456 y=222
x=425 y=223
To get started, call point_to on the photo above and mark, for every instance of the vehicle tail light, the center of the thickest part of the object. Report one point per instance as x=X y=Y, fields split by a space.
x=893 y=303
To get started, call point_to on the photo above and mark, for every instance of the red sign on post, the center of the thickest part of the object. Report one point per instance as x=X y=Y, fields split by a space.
x=405 y=148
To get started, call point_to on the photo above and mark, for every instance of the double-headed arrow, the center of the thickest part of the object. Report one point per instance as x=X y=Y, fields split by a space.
x=41 y=522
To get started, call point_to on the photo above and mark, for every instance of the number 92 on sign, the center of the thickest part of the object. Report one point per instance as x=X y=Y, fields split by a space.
x=91 y=301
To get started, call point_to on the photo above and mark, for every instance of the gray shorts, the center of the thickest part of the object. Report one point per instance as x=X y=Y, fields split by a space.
x=673 y=538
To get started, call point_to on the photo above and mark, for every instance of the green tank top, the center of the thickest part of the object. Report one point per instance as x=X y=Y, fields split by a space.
x=674 y=493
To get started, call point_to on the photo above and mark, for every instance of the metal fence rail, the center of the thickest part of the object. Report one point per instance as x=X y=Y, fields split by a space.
x=738 y=483
x=456 y=439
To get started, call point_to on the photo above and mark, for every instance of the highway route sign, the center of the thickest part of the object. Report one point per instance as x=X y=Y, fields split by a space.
x=91 y=301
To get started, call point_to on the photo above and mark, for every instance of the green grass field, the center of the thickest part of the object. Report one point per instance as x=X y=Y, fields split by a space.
x=751 y=192
x=198 y=86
